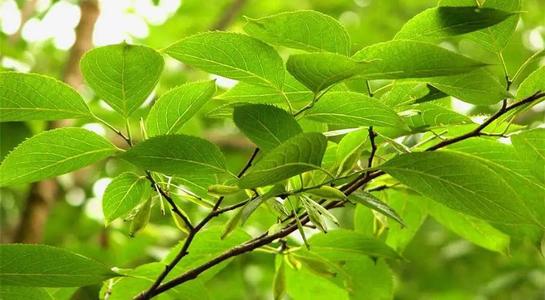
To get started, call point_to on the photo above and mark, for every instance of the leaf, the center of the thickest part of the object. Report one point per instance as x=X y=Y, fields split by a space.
x=412 y=59
x=231 y=55
x=530 y=147
x=122 y=195
x=444 y=21
x=265 y=125
x=25 y=97
x=315 y=287
x=51 y=153
x=49 y=267
x=349 y=149
x=478 y=87
x=353 y=110
x=496 y=37
x=344 y=244
x=369 y=279
x=470 y=228
x=412 y=208
x=279 y=281
x=249 y=208
x=374 y=203
x=304 y=29
x=431 y=115
x=498 y=195
x=23 y=293
x=318 y=71
x=177 y=155
x=122 y=75
x=534 y=83
x=173 y=109
x=299 y=154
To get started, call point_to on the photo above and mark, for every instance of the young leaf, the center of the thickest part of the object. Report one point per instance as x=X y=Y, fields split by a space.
x=343 y=244
x=177 y=155
x=51 y=153
x=534 y=83
x=252 y=205
x=177 y=106
x=49 y=267
x=122 y=195
x=478 y=87
x=530 y=147
x=141 y=218
x=279 y=281
x=25 y=97
x=498 y=196
x=318 y=71
x=374 y=203
x=412 y=59
x=445 y=21
x=265 y=125
x=353 y=110
x=122 y=75
x=299 y=154
x=231 y=55
x=304 y=29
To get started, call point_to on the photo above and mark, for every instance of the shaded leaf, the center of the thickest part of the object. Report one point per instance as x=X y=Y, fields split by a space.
x=534 y=83
x=374 y=203
x=122 y=195
x=431 y=115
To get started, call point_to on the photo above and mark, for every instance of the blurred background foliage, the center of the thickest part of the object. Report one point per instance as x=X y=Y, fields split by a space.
x=40 y=36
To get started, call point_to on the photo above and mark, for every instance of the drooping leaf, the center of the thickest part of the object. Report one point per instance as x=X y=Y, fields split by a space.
x=23 y=293
x=496 y=37
x=25 y=97
x=444 y=21
x=122 y=75
x=353 y=110
x=343 y=244
x=470 y=228
x=54 y=152
x=231 y=55
x=498 y=195
x=530 y=147
x=292 y=91
x=46 y=266
x=374 y=203
x=304 y=29
x=432 y=115
x=350 y=148
x=298 y=154
x=318 y=71
x=122 y=195
x=265 y=125
x=534 y=83
x=177 y=155
x=478 y=87
x=177 y=106
x=412 y=59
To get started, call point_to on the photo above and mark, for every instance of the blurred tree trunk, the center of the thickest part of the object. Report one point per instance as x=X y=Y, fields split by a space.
x=229 y=15
x=43 y=194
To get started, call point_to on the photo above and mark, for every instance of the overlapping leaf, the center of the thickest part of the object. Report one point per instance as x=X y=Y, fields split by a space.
x=530 y=147
x=431 y=115
x=534 y=83
x=122 y=195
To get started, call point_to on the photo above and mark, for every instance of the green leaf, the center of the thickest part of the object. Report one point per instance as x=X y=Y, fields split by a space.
x=353 y=110
x=293 y=91
x=444 y=21
x=412 y=59
x=265 y=125
x=374 y=203
x=122 y=75
x=304 y=29
x=25 y=97
x=231 y=55
x=49 y=267
x=472 y=229
x=177 y=155
x=431 y=115
x=51 y=153
x=530 y=147
x=496 y=37
x=301 y=153
x=369 y=279
x=498 y=195
x=479 y=87
x=532 y=84
x=318 y=71
x=173 y=109
x=23 y=293
x=338 y=245
x=315 y=287
x=408 y=92
x=412 y=208
x=122 y=195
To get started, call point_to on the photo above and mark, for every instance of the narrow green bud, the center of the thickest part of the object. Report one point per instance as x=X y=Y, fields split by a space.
x=220 y=189
x=327 y=192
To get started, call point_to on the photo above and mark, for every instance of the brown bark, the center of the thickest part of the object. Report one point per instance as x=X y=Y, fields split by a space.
x=43 y=194
x=230 y=13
